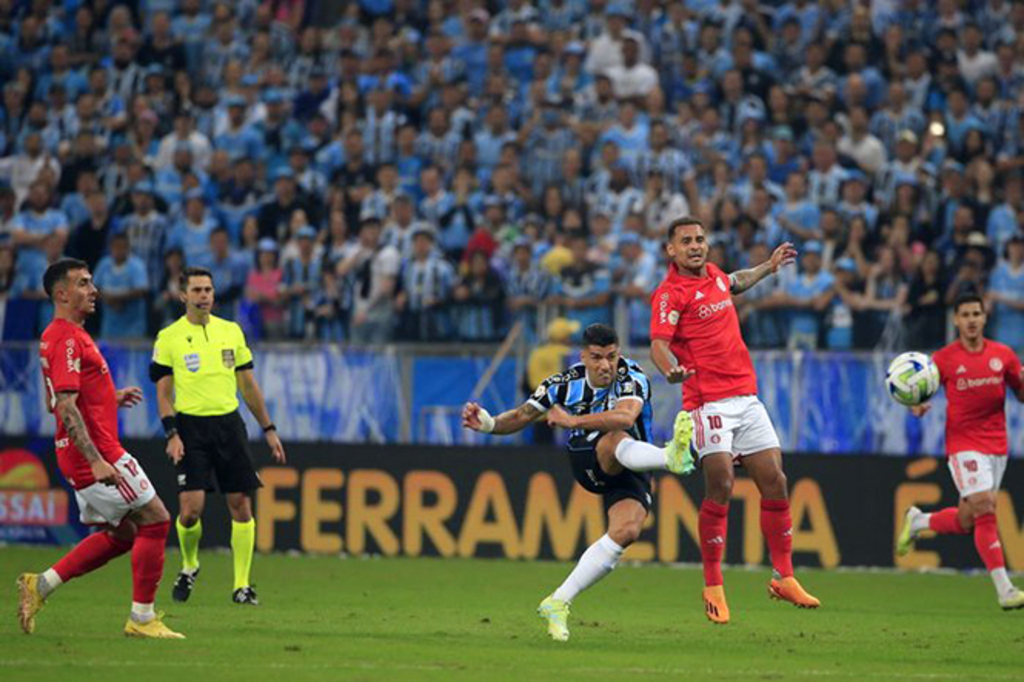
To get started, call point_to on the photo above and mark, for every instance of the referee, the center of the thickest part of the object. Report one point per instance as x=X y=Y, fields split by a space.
x=200 y=363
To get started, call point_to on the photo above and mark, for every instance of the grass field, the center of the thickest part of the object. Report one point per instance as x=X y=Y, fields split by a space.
x=327 y=618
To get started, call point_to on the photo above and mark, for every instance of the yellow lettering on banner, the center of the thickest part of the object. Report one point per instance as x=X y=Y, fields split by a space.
x=489 y=495
x=753 y=542
x=317 y=511
x=419 y=519
x=907 y=495
x=269 y=509
x=675 y=508
x=1010 y=532
x=807 y=502
x=583 y=514
x=365 y=518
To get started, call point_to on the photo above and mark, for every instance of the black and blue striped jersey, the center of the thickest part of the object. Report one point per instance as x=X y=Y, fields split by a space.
x=573 y=392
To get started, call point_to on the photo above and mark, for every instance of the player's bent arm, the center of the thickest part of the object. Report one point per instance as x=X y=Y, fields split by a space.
x=742 y=280
x=67 y=409
x=514 y=421
x=253 y=396
x=620 y=419
x=662 y=356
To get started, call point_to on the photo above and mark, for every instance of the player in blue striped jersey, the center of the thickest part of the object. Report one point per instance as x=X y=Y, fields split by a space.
x=604 y=402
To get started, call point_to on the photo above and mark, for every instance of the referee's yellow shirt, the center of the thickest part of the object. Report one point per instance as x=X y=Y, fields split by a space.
x=203 y=360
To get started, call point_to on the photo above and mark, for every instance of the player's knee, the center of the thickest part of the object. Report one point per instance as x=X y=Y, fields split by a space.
x=125 y=532
x=982 y=506
x=775 y=486
x=188 y=517
x=719 y=490
x=626 y=534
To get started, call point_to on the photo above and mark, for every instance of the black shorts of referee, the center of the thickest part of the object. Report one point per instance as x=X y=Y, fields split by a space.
x=215 y=448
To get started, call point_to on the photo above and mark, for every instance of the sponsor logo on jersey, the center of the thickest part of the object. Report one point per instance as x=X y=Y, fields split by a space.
x=228 y=357
x=192 y=362
x=74 y=363
x=721 y=284
x=700 y=295
x=673 y=317
x=961 y=370
x=663 y=308
x=995 y=364
x=964 y=384
x=706 y=311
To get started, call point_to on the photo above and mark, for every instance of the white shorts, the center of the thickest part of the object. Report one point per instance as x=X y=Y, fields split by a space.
x=101 y=504
x=974 y=472
x=740 y=426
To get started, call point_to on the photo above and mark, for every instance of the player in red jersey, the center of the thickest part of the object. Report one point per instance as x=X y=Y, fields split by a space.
x=695 y=337
x=111 y=488
x=976 y=373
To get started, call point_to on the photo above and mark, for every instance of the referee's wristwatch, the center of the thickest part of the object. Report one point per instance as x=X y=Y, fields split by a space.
x=170 y=427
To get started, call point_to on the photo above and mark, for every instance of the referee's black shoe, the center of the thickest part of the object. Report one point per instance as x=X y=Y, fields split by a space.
x=245 y=595
x=183 y=585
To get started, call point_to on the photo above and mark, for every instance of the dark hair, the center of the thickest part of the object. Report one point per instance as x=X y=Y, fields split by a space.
x=193 y=271
x=968 y=297
x=56 y=273
x=600 y=335
x=682 y=222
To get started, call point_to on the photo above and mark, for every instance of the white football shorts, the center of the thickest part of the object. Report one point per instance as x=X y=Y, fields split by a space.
x=101 y=504
x=740 y=426
x=974 y=472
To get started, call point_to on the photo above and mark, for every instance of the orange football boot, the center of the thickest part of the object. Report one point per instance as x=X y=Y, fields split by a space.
x=788 y=589
x=715 y=607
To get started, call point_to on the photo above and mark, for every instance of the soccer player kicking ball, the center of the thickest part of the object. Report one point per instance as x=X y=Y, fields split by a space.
x=605 y=402
x=975 y=372
x=696 y=338
x=111 y=488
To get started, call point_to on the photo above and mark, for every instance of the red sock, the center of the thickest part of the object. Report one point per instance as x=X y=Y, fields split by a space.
x=946 y=522
x=986 y=539
x=89 y=554
x=713 y=523
x=777 y=528
x=148 y=561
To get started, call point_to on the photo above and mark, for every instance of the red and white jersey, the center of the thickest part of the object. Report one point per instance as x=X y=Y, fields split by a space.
x=72 y=362
x=697 y=317
x=975 y=386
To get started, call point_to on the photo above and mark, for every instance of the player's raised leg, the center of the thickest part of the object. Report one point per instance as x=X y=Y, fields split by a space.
x=765 y=469
x=986 y=540
x=243 y=541
x=189 y=526
x=625 y=521
x=713 y=523
x=152 y=525
x=948 y=521
x=676 y=456
x=88 y=555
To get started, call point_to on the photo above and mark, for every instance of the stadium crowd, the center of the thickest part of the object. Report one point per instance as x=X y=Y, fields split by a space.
x=403 y=170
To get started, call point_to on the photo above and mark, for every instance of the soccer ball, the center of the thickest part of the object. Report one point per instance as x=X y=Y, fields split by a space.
x=912 y=378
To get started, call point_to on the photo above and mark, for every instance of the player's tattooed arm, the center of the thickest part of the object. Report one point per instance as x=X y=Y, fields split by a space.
x=478 y=419
x=75 y=425
x=742 y=280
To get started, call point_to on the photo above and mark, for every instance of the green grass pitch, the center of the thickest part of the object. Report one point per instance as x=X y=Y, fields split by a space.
x=433 y=619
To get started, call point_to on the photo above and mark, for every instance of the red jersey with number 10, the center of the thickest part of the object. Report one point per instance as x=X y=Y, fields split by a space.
x=697 y=317
x=72 y=362
x=976 y=386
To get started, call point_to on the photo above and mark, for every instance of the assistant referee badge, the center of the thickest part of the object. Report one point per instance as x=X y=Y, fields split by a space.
x=228 y=356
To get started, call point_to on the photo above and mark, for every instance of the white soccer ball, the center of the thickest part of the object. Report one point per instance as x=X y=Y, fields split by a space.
x=912 y=378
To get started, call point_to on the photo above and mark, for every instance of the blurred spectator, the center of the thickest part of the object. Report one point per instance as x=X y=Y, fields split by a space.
x=372 y=268
x=839 y=316
x=548 y=359
x=926 y=308
x=11 y=288
x=805 y=297
x=425 y=285
x=635 y=275
x=762 y=321
x=301 y=277
x=34 y=223
x=1006 y=295
x=230 y=272
x=480 y=299
x=192 y=232
x=583 y=289
x=168 y=306
x=885 y=292
x=123 y=283
x=263 y=288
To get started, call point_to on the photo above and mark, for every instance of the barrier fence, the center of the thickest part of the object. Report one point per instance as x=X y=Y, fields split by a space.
x=521 y=503
x=833 y=403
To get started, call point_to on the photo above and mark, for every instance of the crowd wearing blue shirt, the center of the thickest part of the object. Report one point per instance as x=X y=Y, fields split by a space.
x=430 y=170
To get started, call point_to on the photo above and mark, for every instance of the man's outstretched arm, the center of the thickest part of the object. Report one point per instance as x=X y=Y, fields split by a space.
x=741 y=280
x=512 y=421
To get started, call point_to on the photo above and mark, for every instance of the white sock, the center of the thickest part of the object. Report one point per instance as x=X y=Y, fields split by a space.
x=1002 y=582
x=919 y=523
x=597 y=562
x=142 y=613
x=49 y=581
x=636 y=455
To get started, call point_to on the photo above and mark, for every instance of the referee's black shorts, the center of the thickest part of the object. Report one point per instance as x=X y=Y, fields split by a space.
x=216 y=447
